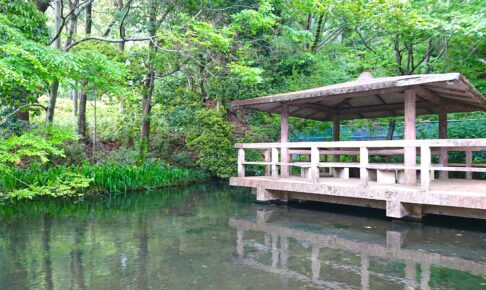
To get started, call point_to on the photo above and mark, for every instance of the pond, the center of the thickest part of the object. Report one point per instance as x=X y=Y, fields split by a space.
x=212 y=236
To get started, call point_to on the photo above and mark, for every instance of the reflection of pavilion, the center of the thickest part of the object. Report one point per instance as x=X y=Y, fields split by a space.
x=276 y=239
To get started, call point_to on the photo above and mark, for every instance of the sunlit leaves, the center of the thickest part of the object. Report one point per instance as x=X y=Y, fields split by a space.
x=248 y=75
x=251 y=22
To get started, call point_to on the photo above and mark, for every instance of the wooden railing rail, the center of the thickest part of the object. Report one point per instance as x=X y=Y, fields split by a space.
x=275 y=156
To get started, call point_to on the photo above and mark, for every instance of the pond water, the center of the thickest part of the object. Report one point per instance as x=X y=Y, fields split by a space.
x=213 y=236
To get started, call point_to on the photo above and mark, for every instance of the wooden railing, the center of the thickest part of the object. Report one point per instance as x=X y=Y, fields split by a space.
x=319 y=151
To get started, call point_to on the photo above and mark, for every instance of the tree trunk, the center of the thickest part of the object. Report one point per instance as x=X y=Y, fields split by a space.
x=74 y=98
x=147 y=107
x=23 y=115
x=89 y=19
x=391 y=129
x=149 y=86
x=121 y=46
x=82 y=114
x=83 y=97
x=72 y=29
x=42 y=5
x=57 y=44
x=317 y=37
x=52 y=101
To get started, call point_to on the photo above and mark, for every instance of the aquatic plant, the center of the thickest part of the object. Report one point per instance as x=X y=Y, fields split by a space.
x=88 y=179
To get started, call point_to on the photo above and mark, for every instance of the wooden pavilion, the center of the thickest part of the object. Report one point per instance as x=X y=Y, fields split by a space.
x=393 y=186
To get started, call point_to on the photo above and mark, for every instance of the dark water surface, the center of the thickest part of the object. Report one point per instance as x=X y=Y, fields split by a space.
x=213 y=236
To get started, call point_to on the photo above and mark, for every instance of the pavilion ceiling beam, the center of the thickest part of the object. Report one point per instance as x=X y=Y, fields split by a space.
x=380 y=108
x=460 y=98
x=448 y=92
x=338 y=97
x=444 y=88
x=429 y=95
x=471 y=102
x=321 y=108
x=382 y=101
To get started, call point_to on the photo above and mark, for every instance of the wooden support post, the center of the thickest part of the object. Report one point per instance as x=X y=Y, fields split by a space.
x=314 y=170
x=274 y=162
x=410 y=134
x=284 y=138
x=335 y=133
x=425 y=165
x=241 y=160
x=469 y=162
x=363 y=162
x=266 y=155
x=443 y=155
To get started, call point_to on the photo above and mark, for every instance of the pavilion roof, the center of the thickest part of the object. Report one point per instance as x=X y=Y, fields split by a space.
x=369 y=97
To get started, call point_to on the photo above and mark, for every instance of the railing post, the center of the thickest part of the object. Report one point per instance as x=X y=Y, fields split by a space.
x=284 y=158
x=314 y=169
x=425 y=165
x=363 y=162
x=241 y=161
x=274 y=162
x=469 y=161
x=266 y=154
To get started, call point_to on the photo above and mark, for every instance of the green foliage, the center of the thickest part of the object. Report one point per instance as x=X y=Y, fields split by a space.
x=205 y=55
x=73 y=181
x=251 y=21
x=36 y=146
x=66 y=184
x=101 y=74
x=210 y=136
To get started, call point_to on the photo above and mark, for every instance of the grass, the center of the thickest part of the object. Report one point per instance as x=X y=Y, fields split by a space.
x=108 y=178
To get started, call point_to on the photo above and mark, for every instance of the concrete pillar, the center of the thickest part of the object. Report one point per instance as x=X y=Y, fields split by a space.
x=410 y=274
x=410 y=134
x=275 y=251
x=284 y=252
x=284 y=138
x=240 y=246
x=365 y=274
x=425 y=277
x=443 y=135
x=316 y=262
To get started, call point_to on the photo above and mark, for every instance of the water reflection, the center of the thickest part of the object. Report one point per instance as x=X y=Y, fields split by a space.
x=327 y=250
x=180 y=239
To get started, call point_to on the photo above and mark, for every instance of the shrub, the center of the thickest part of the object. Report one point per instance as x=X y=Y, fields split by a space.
x=211 y=138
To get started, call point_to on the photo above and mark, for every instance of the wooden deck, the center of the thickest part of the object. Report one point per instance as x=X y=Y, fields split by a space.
x=376 y=185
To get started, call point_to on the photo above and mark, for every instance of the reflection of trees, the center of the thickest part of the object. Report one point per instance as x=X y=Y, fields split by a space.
x=18 y=247
x=46 y=248
x=142 y=277
x=105 y=244
x=76 y=255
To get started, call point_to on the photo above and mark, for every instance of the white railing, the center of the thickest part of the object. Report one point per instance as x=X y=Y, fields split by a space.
x=319 y=152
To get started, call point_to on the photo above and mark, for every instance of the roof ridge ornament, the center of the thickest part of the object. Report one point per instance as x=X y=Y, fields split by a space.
x=365 y=76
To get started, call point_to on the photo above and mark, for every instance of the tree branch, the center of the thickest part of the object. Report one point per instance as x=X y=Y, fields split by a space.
x=364 y=41
x=19 y=109
x=111 y=40
x=65 y=18
x=122 y=23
